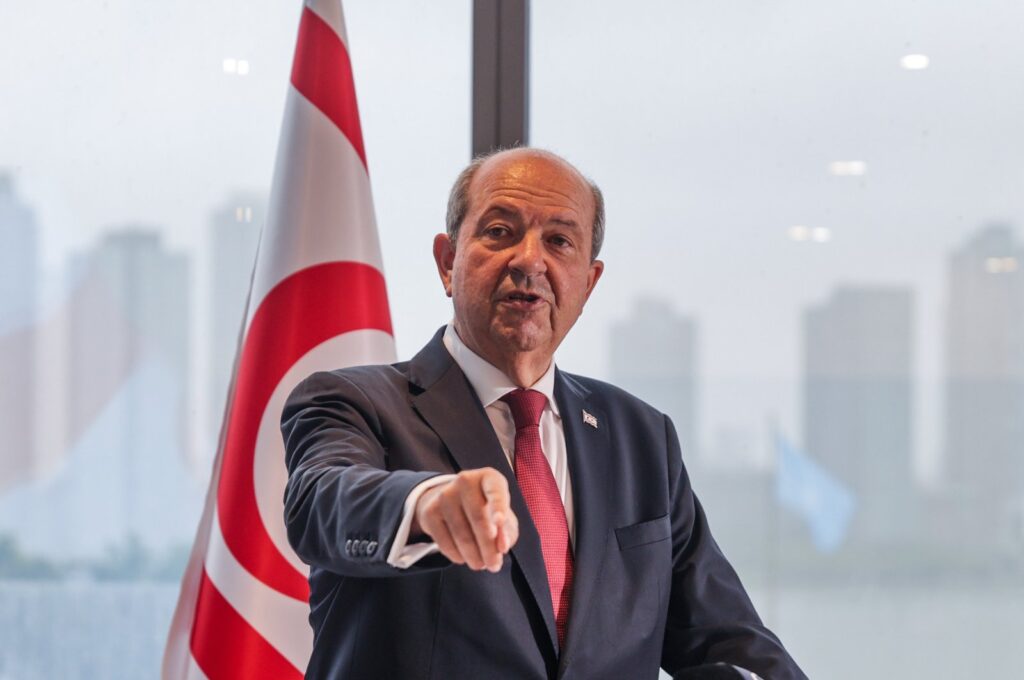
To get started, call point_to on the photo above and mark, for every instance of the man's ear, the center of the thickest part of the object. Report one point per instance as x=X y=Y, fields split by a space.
x=444 y=256
x=596 y=269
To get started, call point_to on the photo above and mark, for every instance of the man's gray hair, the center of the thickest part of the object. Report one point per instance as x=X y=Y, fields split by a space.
x=458 y=198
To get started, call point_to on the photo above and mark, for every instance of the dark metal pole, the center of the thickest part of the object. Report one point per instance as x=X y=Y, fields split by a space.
x=501 y=69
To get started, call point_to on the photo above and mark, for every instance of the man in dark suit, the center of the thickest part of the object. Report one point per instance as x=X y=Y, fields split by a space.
x=478 y=513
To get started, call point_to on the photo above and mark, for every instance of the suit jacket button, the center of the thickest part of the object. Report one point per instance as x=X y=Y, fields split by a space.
x=362 y=546
x=372 y=547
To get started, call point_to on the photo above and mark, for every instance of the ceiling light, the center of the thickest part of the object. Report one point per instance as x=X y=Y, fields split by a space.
x=914 y=62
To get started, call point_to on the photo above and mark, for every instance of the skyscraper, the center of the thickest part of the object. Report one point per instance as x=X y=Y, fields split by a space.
x=654 y=356
x=234 y=236
x=19 y=263
x=857 y=404
x=126 y=409
x=984 y=462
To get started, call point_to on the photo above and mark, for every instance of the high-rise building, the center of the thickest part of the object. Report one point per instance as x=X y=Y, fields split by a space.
x=654 y=356
x=19 y=265
x=984 y=446
x=126 y=412
x=145 y=342
x=857 y=404
x=234 y=237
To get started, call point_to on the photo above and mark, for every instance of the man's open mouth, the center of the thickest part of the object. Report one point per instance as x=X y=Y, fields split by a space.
x=524 y=301
x=523 y=297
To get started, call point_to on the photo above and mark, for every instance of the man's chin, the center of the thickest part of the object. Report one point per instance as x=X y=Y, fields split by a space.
x=523 y=338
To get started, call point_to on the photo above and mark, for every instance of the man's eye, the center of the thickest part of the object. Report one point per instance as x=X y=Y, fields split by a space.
x=496 y=231
x=560 y=241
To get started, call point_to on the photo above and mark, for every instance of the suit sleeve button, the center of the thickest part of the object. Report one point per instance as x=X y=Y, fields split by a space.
x=362 y=546
x=348 y=546
x=372 y=547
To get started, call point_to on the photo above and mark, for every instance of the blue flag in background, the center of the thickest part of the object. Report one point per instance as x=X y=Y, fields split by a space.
x=825 y=503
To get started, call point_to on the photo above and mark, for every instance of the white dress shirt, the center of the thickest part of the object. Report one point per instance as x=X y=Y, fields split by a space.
x=490 y=385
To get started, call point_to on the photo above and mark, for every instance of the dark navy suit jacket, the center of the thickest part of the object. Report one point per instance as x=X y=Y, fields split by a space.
x=651 y=588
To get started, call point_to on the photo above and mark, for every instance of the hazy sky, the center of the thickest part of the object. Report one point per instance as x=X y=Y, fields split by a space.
x=709 y=125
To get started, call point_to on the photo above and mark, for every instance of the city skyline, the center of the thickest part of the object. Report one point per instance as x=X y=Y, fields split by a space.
x=884 y=345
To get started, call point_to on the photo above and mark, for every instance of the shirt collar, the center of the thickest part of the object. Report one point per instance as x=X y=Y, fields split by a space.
x=489 y=383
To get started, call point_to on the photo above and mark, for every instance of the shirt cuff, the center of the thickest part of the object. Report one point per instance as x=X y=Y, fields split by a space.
x=403 y=555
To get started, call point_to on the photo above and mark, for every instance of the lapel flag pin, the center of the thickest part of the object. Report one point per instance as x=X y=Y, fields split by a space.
x=589 y=419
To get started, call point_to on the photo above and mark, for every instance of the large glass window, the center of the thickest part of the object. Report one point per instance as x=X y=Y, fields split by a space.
x=815 y=264
x=136 y=153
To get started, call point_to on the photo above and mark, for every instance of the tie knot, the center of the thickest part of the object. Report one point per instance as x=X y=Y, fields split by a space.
x=526 y=406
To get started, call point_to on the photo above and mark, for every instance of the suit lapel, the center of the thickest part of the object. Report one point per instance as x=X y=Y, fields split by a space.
x=453 y=411
x=588 y=448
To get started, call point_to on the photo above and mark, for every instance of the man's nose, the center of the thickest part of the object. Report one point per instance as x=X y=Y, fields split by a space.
x=528 y=256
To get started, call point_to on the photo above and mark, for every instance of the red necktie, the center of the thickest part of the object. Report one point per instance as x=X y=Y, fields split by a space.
x=537 y=484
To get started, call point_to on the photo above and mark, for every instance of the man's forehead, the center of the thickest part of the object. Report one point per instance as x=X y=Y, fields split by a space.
x=521 y=163
x=529 y=171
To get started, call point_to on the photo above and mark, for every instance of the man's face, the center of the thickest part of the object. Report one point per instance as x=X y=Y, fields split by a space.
x=521 y=271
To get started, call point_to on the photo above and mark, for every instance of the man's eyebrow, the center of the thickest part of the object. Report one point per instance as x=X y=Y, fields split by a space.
x=565 y=222
x=500 y=210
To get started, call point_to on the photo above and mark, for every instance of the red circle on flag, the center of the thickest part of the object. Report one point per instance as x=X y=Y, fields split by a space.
x=304 y=310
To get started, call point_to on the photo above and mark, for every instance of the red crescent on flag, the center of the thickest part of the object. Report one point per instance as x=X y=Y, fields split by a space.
x=301 y=312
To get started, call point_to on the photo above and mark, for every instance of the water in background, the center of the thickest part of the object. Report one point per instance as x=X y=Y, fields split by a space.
x=93 y=630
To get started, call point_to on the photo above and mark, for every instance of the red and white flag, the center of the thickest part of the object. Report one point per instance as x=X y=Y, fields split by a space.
x=317 y=302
